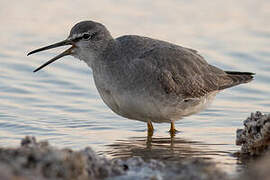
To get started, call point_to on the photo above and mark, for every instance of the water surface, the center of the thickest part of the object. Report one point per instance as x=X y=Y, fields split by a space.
x=62 y=105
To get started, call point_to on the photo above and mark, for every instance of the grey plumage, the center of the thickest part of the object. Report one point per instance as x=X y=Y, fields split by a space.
x=175 y=69
x=146 y=79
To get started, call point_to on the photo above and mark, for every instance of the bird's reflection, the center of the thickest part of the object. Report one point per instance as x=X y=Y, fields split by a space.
x=166 y=149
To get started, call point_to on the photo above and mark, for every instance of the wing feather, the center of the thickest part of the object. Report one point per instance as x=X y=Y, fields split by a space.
x=184 y=72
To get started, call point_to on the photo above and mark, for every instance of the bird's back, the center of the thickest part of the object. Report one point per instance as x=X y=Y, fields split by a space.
x=176 y=69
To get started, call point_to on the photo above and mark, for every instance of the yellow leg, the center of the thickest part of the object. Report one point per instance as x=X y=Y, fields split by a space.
x=150 y=128
x=172 y=130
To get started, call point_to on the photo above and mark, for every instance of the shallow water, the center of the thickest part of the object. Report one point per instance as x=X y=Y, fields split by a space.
x=62 y=105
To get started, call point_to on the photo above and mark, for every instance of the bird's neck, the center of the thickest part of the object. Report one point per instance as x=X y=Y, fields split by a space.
x=102 y=56
x=97 y=56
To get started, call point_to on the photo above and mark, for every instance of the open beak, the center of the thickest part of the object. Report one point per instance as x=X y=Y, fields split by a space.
x=65 y=53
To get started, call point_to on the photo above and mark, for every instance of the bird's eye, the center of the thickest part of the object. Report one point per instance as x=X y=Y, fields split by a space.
x=86 y=36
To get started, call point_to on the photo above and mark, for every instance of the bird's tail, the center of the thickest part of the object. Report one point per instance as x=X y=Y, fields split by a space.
x=239 y=78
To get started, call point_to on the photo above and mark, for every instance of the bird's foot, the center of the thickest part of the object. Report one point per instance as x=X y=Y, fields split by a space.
x=173 y=131
x=150 y=128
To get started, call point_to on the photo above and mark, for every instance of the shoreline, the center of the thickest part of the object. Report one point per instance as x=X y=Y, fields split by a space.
x=40 y=161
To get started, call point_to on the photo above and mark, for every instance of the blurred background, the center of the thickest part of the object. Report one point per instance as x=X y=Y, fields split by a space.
x=62 y=105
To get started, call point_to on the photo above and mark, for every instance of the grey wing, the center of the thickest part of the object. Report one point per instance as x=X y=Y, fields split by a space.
x=181 y=72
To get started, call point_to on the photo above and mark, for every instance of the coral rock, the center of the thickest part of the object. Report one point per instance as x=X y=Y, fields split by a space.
x=255 y=137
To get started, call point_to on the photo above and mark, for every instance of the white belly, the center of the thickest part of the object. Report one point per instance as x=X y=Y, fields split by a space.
x=144 y=108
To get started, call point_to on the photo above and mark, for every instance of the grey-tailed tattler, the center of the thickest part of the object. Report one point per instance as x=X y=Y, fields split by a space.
x=146 y=79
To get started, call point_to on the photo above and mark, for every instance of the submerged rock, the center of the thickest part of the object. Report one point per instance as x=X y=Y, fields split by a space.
x=255 y=137
x=40 y=161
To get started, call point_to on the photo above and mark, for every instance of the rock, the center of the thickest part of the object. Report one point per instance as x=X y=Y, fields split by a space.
x=39 y=161
x=255 y=137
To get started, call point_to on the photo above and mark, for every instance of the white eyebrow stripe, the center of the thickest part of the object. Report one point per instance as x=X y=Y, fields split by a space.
x=75 y=36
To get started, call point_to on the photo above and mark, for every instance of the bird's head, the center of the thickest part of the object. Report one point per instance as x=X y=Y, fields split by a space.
x=87 y=39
